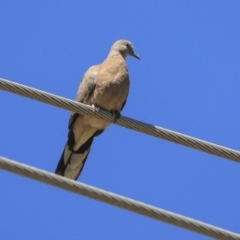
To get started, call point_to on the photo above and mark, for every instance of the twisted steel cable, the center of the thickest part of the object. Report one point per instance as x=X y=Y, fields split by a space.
x=122 y=121
x=117 y=200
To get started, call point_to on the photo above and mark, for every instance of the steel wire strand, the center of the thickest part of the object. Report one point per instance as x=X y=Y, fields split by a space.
x=117 y=200
x=122 y=121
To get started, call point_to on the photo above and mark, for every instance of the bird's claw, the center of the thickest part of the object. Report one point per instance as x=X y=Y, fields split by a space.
x=116 y=115
x=95 y=109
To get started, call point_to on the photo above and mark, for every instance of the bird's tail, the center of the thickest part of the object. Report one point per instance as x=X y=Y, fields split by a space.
x=72 y=162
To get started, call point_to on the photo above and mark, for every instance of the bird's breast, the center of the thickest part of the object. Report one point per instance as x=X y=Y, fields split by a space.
x=112 y=88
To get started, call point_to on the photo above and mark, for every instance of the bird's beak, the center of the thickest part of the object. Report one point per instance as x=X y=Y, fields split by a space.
x=135 y=55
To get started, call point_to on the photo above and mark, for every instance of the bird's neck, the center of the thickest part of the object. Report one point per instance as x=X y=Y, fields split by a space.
x=114 y=54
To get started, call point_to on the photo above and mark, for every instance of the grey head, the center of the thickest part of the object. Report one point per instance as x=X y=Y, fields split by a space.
x=123 y=47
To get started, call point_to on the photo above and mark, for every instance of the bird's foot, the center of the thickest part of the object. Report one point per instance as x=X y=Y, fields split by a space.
x=116 y=115
x=95 y=108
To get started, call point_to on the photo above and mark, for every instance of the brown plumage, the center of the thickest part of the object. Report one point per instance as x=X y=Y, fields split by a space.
x=104 y=86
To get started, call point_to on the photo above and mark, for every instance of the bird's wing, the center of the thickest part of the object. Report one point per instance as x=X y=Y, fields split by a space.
x=85 y=90
x=87 y=84
x=72 y=160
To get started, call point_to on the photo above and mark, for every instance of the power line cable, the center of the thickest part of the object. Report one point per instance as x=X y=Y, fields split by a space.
x=117 y=200
x=122 y=121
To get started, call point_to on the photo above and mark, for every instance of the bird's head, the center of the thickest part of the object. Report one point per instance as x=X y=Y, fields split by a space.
x=125 y=48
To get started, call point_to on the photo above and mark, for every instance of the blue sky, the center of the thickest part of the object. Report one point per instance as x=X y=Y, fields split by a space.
x=187 y=80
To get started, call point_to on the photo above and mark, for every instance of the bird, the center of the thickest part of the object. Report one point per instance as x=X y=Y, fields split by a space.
x=104 y=86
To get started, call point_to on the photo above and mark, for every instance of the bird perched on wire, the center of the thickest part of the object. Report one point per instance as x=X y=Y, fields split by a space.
x=103 y=86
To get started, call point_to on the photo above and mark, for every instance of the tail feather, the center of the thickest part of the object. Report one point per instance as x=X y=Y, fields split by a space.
x=72 y=162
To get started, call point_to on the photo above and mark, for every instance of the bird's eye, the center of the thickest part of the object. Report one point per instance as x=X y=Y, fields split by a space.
x=129 y=47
